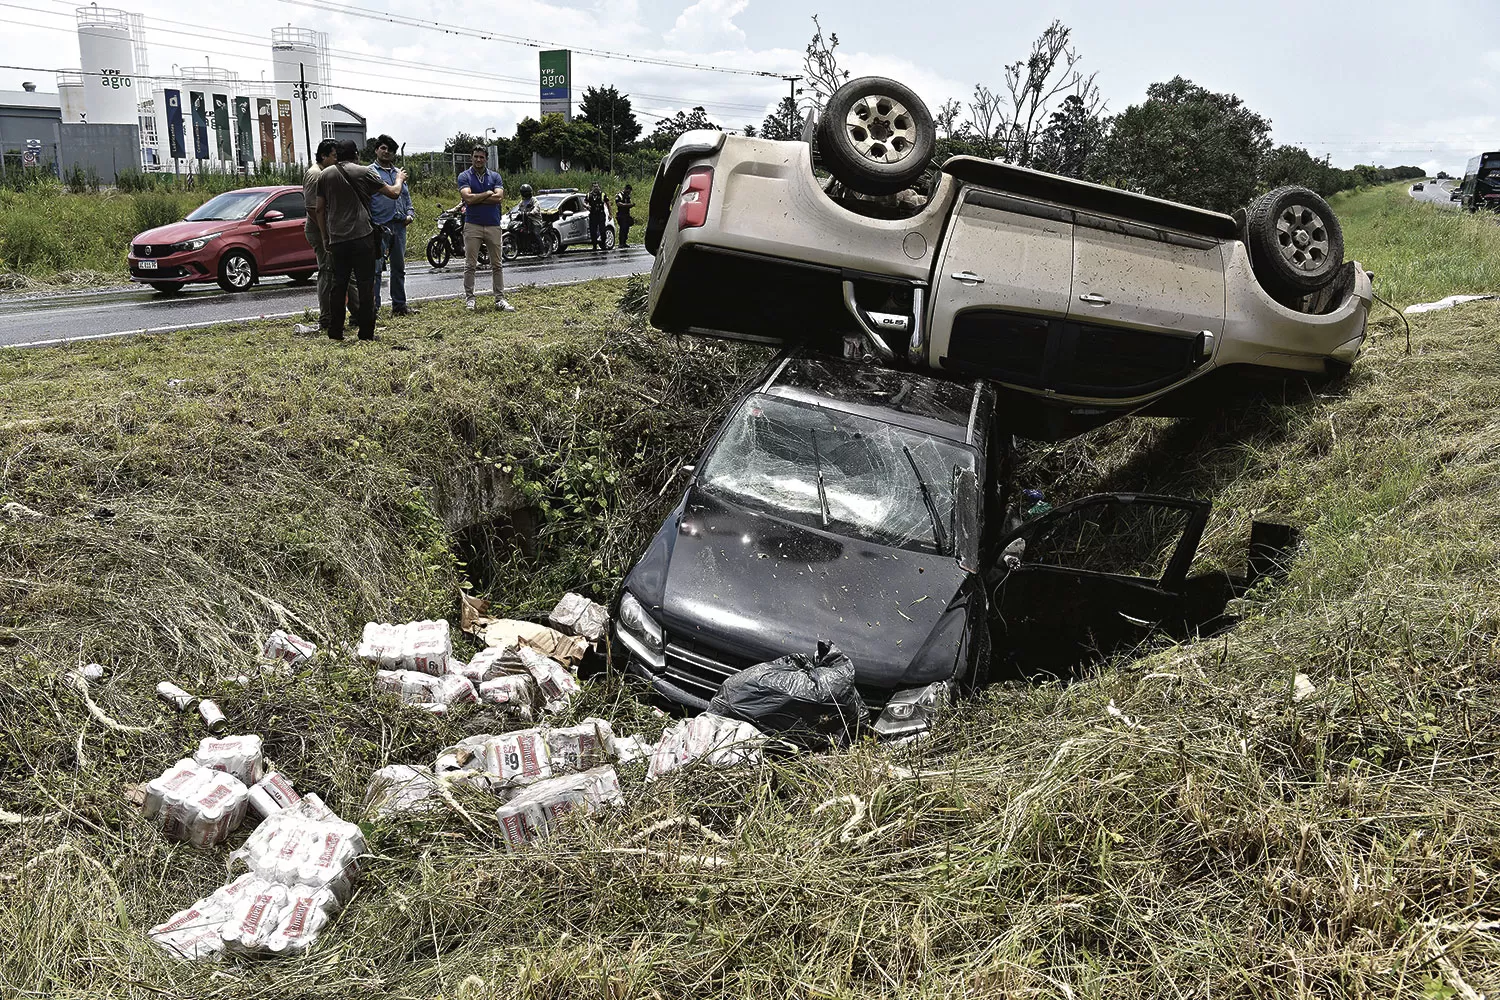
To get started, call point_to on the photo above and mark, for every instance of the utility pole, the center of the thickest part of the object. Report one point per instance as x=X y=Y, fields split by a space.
x=306 y=132
x=612 y=133
x=791 y=82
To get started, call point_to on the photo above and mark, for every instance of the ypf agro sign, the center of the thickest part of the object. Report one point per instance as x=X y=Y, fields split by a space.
x=557 y=82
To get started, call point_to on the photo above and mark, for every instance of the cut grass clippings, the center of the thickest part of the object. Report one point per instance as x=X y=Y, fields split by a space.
x=1219 y=839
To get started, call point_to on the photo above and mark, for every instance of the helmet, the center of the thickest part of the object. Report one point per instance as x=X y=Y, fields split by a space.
x=526 y=191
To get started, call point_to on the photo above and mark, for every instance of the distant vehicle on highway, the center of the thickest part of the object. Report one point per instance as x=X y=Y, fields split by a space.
x=235 y=239
x=1481 y=184
x=1419 y=186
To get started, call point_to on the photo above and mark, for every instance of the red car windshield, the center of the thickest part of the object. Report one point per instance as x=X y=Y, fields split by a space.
x=228 y=207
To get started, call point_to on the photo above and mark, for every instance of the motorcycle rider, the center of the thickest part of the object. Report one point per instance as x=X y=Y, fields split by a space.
x=529 y=215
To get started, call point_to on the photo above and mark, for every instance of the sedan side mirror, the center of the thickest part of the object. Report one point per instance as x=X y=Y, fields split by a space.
x=271 y=216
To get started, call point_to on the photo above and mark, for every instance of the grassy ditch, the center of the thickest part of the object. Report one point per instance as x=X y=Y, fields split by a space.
x=1219 y=839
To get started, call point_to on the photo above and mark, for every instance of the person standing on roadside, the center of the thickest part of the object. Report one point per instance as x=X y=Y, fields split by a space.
x=390 y=217
x=344 y=193
x=623 y=218
x=595 y=203
x=326 y=157
x=483 y=192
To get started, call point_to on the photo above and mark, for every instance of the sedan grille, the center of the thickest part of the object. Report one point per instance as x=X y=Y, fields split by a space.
x=151 y=249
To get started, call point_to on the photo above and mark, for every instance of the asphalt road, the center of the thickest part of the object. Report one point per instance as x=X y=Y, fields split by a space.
x=1436 y=192
x=40 y=320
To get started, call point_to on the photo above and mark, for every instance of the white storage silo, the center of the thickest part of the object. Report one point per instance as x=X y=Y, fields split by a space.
x=107 y=53
x=70 y=95
x=297 y=56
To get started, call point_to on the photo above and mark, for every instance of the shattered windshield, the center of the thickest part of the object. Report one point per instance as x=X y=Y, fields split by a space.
x=850 y=474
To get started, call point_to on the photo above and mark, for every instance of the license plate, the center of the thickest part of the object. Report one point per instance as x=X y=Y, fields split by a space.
x=146 y=265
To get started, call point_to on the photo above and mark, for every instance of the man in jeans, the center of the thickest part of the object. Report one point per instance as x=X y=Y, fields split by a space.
x=482 y=191
x=326 y=158
x=395 y=214
x=343 y=212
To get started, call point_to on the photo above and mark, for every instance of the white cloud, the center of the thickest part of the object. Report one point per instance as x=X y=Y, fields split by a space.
x=708 y=25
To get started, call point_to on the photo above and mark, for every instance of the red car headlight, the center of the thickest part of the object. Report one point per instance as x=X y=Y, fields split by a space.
x=693 y=202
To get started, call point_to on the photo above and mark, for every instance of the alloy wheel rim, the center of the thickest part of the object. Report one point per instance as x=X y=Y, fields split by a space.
x=1302 y=237
x=238 y=270
x=881 y=129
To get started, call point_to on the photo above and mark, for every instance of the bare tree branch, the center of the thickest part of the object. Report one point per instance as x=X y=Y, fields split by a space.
x=821 y=65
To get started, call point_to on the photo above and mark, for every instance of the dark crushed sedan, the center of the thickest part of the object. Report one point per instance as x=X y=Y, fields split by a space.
x=838 y=502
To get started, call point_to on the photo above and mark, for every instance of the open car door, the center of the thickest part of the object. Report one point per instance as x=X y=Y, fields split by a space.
x=1093 y=576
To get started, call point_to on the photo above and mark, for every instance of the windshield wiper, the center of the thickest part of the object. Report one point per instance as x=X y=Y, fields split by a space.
x=818 y=465
x=937 y=526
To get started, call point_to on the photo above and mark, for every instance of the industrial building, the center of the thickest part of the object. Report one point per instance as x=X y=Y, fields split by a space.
x=113 y=115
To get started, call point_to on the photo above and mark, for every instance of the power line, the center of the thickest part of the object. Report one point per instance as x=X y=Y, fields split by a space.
x=329 y=6
x=251 y=40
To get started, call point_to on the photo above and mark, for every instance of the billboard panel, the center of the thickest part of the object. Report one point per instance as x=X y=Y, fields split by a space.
x=284 y=118
x=267 y=130
x=243 y=142
x=176 y=144
x=200 y=125
x=557 y=82
x=222 y=127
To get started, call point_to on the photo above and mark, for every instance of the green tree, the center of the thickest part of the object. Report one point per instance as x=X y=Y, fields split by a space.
x=609 y=111
x=1189 y=144
x=1072 y=141
x=668 y=129
x=463 y=142
x=785 y=123
x=577 y=142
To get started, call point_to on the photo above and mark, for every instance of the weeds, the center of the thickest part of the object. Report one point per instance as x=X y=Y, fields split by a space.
x=1232 y=841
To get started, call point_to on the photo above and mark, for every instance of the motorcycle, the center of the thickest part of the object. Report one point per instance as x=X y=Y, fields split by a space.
x=449 y=241
x=519 y=238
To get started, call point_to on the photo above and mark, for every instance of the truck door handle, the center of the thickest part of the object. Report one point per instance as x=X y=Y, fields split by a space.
x=967 y=277
x=1094 y=299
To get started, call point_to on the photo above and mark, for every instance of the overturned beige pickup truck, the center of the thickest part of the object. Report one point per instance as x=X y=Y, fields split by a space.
x=1089 y=300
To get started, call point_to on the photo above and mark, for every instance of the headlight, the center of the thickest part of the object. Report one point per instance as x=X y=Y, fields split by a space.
x=640 y=633
x=197 y=243
x=909 y=713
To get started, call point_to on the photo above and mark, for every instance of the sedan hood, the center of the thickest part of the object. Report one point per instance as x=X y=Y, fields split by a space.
x=179 y=231
x=759 y=587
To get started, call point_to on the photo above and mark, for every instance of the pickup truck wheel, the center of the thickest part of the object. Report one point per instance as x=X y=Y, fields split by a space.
x=1295 y=240
x=876 y=135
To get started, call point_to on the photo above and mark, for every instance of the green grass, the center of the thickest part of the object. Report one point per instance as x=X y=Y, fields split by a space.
x=1419 y=251
x=1233 y=843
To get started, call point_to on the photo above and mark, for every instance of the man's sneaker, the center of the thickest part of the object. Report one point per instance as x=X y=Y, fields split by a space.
x=504 y=306
x=401 y=310
x=304 y=328
x=469 y=303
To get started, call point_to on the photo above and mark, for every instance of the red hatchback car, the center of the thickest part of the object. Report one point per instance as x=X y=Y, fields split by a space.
x=235 y=238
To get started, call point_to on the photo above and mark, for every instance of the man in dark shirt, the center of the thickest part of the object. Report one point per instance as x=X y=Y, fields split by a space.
x=623 y=217
x=327 y=155
x=344 y=192
x=482 y=191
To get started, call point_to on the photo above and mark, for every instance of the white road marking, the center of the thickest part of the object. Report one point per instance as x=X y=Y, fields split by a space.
x=263 y=316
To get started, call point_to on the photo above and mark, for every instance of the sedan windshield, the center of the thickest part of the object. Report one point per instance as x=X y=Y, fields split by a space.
x=849 y=474
x=230 y=206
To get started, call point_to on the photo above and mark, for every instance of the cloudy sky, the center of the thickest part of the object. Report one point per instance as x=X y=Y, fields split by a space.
x=1376 y=81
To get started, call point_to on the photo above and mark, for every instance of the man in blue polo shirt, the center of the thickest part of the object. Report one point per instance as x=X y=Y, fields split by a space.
x=482 y=191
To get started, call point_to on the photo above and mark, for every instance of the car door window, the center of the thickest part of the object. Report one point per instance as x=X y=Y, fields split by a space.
x=292 y=205
x=1131 y=538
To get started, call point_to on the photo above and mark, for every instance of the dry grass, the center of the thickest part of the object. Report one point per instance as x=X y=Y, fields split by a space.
x=1232 y=843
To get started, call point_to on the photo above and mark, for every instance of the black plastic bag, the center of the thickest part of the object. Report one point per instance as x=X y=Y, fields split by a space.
x=807 y=700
